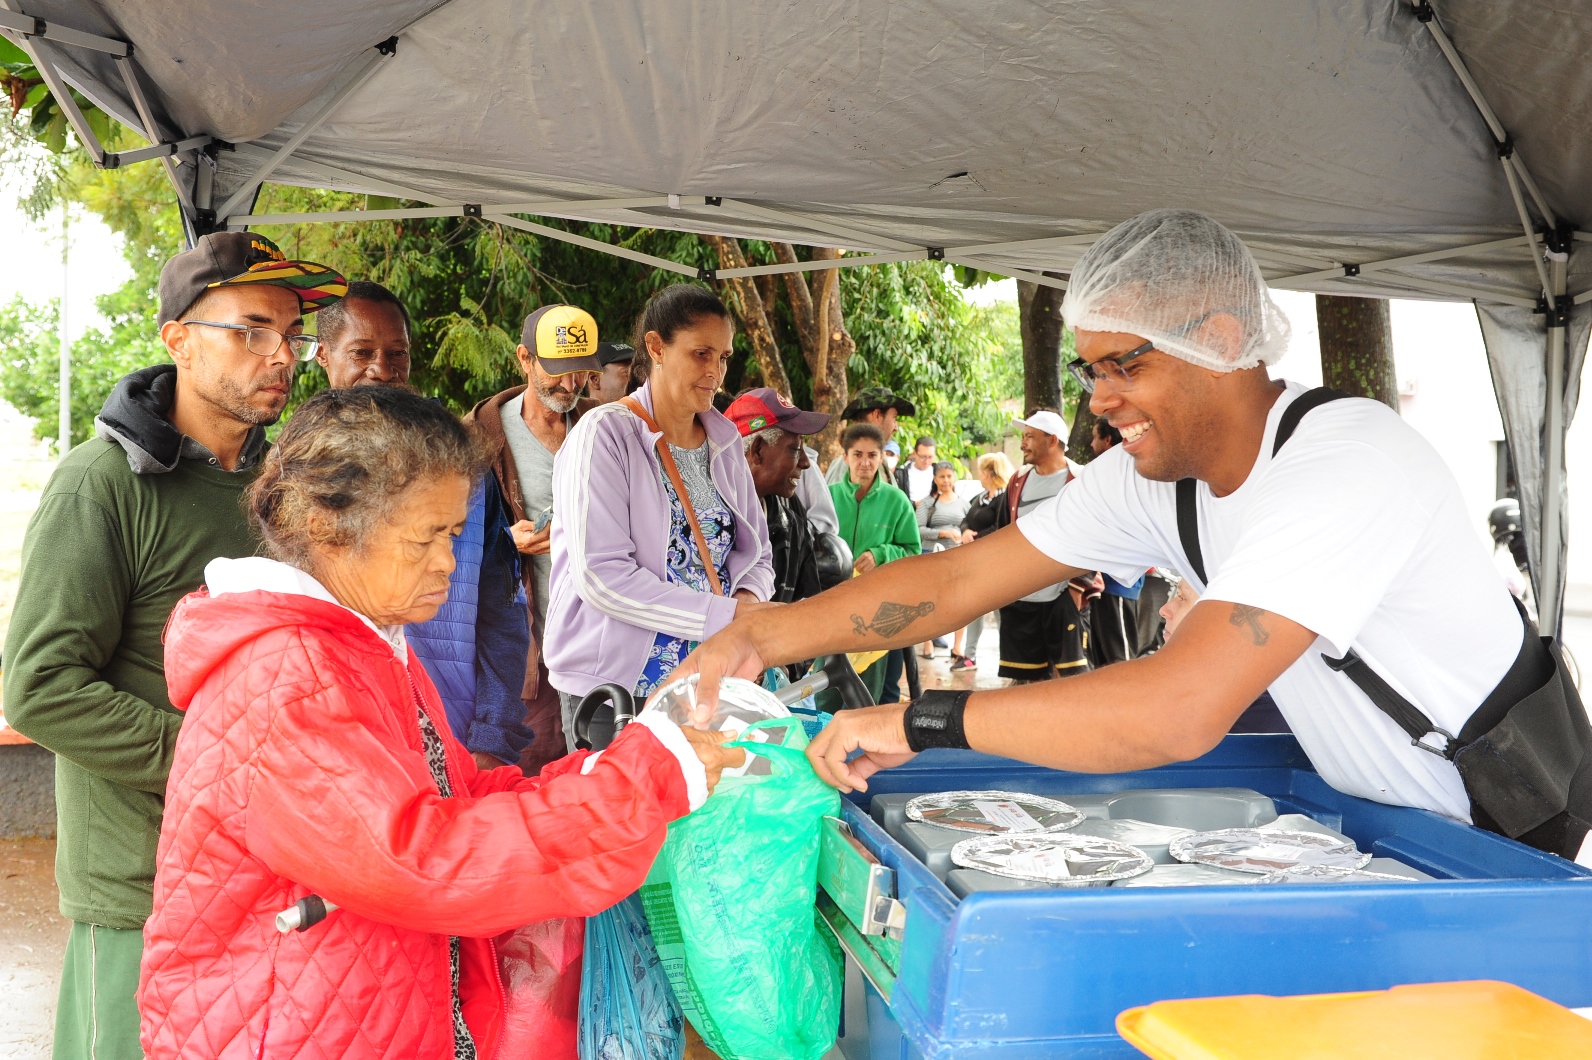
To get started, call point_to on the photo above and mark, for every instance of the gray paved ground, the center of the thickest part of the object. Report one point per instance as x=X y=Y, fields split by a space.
x=32 y=944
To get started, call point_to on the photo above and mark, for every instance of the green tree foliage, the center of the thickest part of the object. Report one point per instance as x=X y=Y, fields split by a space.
x=916 y=335
x=30 y=362
x=469 y=284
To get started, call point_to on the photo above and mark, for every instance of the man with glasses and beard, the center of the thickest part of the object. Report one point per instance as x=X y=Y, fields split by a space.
x=124 y=530
x=523 y=428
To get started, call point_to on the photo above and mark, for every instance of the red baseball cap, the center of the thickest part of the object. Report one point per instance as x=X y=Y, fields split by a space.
x=760 y=409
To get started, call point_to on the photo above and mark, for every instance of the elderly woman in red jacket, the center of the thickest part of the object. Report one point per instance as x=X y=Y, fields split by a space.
x=316 y=759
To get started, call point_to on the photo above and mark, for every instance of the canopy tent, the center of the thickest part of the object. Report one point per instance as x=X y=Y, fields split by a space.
x=1363 y=147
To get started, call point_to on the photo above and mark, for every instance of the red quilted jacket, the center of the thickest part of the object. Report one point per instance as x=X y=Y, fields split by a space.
x=300 y=770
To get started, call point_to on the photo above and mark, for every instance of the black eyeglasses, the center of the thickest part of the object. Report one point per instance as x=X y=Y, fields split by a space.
x=263 y=342
x=1107 y=369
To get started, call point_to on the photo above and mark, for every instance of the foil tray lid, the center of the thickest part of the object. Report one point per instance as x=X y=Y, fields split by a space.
x=1055 y=858
x=1330 y=874
x=1254 y=850
x=993 y=812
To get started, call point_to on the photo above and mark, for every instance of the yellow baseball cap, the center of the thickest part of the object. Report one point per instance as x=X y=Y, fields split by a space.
x=563 y=338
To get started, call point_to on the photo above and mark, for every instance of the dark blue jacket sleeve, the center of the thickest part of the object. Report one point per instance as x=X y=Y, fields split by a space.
x=502 y=640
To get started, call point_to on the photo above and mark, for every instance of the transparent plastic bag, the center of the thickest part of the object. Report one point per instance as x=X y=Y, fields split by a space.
x=627 y=1010
x=732 y=898
x=541 y=970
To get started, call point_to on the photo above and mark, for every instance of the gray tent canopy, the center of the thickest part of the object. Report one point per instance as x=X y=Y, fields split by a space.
x=1380 y=148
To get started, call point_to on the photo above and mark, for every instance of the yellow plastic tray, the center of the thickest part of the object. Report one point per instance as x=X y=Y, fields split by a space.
x=1441 y=1021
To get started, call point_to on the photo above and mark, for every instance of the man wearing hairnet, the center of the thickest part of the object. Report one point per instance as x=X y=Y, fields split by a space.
x=1345 y=552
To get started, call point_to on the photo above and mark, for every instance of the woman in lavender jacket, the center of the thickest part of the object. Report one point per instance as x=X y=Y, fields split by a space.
x=630 y=592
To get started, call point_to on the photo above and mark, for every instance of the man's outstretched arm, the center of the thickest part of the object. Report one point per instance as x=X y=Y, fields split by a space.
x=900 y=603
x=1168 y=707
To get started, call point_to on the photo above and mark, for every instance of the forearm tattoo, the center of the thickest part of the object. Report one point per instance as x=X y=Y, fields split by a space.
x=1249 y=615
x=891 y=619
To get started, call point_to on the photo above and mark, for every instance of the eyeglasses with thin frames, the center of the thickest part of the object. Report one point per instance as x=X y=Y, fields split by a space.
x=263 y=341
x=1107 y=369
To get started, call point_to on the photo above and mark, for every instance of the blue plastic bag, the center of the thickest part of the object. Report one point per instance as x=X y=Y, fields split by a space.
x=627 y=1010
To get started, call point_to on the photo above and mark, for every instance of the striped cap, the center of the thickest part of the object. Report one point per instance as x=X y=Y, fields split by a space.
x=233 y=259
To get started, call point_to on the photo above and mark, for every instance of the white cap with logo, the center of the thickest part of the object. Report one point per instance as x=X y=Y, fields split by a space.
x=1047 y=421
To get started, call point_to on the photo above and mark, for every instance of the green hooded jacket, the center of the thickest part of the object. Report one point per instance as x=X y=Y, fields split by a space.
x=124 y=530
x=884 y=523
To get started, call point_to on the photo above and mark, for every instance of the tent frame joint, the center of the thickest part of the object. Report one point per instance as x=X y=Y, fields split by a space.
x=471 y=209
x=936 y=253
x=389 y=46
x=1424 y=12
x=1557 y=316
x=707 y=275
x=1351 y=269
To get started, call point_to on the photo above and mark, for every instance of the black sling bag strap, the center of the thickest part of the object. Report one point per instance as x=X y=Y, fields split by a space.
x=1188 y=512
x=1522 y=754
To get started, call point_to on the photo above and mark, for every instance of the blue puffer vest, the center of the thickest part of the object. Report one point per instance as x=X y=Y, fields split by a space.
x=475 y=647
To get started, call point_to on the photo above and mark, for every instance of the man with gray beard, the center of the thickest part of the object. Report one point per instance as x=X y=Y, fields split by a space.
x=522 y=429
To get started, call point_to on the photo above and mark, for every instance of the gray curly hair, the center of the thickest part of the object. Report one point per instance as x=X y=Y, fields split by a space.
x=343 y=462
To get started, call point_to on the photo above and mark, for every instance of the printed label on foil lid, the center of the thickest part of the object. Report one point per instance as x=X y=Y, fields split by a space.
x=1051 y=863
x=1008 y=816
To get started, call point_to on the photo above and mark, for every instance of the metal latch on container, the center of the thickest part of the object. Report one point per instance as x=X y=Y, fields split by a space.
x=860 y=886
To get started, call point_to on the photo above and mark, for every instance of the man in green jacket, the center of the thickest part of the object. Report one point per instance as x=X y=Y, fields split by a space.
x=876 y=519
x=123 y=531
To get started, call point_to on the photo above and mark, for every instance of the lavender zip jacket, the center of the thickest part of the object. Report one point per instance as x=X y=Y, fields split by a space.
x=610 y=531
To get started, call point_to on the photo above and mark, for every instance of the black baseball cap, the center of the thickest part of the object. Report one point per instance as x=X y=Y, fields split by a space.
x=614 y=352
x=233 y=259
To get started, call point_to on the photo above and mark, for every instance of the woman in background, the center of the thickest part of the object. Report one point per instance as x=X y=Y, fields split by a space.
x=659 y=537
x=994 y=472
x=940 y=516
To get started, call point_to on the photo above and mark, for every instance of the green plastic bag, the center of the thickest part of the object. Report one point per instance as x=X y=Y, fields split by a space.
x=731 y=900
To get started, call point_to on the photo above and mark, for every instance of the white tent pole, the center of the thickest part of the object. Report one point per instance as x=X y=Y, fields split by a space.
x=858 y=237
x=590 y=244
x=246 y=189
x=1407 y=259
x=28 y=26
x=1029 y=244
x=820 y=265
x=1428 y=18
x=63 y=99
x=152 y=129
x=1531 y=234
x=1001 y=270
x=1449 y=290
x=1549 y=589
x=548 y=208
x=64 y=426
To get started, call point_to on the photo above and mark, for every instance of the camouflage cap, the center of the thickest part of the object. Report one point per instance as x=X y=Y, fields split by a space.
x=877 y=397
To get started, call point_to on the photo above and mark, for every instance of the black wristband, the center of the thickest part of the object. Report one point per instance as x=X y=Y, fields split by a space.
x=935 y=720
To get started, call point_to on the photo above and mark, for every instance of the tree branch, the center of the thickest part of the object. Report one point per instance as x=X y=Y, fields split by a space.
x=748 y=302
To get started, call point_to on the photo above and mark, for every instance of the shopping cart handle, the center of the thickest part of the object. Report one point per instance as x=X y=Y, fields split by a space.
x=303 y=914
x=837 y=673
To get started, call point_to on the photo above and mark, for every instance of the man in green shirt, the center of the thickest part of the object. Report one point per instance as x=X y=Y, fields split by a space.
x=123 y=531
x=876 y=519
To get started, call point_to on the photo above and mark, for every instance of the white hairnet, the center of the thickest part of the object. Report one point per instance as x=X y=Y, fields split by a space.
x=1163 y=275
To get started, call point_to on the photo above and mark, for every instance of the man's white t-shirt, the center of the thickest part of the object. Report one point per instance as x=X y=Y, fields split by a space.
x=1037 y=489
x=1355 y=531
x=920 y=482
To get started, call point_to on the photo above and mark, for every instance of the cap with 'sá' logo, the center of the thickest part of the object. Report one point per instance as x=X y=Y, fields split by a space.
x=563 y=339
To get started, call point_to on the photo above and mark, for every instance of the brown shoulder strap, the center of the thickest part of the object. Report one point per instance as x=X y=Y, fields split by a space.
x=669 y=468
